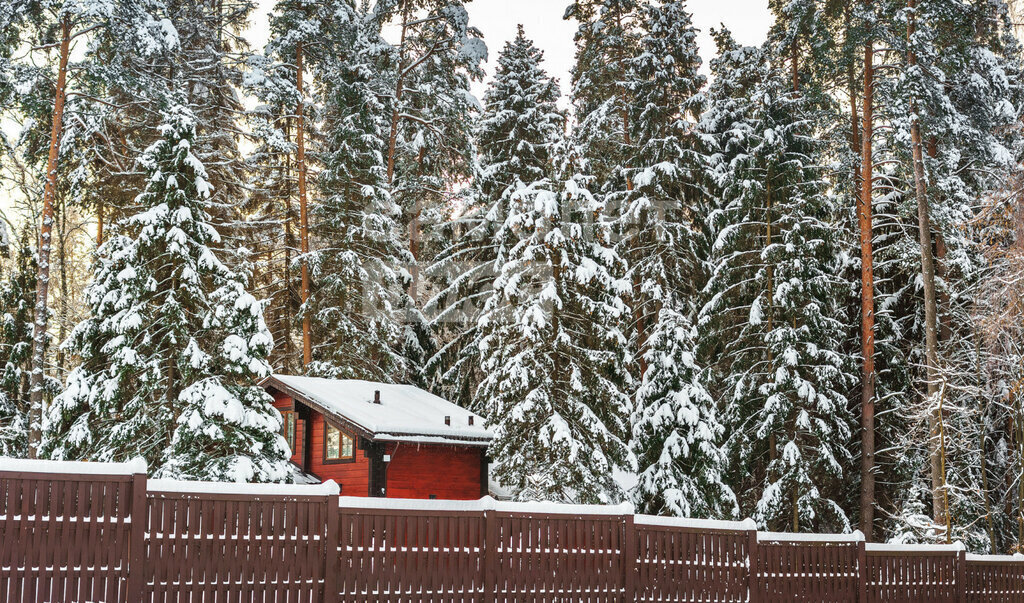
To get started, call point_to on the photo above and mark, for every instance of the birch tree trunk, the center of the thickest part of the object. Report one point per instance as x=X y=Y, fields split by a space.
x=300 y=161
x=939 y=509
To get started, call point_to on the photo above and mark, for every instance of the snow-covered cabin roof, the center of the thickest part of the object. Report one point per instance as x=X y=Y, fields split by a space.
x=405 y=413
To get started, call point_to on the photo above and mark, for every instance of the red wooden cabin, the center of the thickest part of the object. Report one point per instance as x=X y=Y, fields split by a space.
x=381 y=439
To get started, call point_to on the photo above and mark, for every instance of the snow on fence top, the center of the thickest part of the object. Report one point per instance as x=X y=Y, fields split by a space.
x=136 y=465
x=698 y=524
x=328 y=488
x=1015 y=558
x=484 y=504
x=915 y=548
x=855 y=536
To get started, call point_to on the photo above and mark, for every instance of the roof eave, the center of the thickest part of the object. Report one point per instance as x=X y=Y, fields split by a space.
x=435 y=440
x=343 y=422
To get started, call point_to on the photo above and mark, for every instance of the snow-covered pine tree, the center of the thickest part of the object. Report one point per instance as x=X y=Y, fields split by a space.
x=272 y=231
x=677 y=434
x=360 y=297
x=606 y=40
x=175 y=345
x=302 y=32
x=552 y=352
x=515 y=137
x=802 y=36
x=775 y=300
x=15 y=344
x=960 y=91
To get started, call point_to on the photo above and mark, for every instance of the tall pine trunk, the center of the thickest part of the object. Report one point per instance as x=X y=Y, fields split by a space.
x=414 y=223
x=300 y=160
x=939 y=509
x=867 y=303
x=399 y=81
x=289 y=244
x=99 y=223
x=45 y=235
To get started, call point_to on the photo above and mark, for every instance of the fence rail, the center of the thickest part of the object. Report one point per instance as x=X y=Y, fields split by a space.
x=90 y=532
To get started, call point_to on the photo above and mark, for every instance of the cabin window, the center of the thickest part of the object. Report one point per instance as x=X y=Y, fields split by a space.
x=288 y=428
x=338 y=445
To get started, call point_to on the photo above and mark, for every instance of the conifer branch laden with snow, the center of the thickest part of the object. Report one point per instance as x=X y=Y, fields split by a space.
x=552 y=353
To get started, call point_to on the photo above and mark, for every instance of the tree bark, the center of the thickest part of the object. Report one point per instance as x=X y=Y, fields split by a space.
x=867 y=302
x=795 y=64
x=289 y=244
x=99 y=224
x=399 y=81
x=414 y=235
x=62 y=259
x=982 y=439
x=939 y=509
x=45 y=234
x=300 y=165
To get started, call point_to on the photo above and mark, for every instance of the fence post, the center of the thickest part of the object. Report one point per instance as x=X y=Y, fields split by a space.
x=136 y=554
x=753 y=581
x=629 y=553
x=331 y=568
x=961 y=574
x=862 y=571
x=490 y=551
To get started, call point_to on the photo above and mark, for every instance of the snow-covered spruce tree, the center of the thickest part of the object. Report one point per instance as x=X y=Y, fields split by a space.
x=677 y=434
x=775 y=300
x=175 y=345
x=552 y=353
x=606 y=40
x=115 y=117
x=360 y=266
x=34 y=79
x=515 y=136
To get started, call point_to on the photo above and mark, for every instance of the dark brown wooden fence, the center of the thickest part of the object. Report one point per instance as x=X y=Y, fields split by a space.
x=104 y=533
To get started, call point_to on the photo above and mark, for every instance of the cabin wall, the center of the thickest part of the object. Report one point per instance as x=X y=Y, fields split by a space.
x=353 y=477
x=447 y=472
x=415 y=470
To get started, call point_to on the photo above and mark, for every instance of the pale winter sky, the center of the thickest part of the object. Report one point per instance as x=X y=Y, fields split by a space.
x=749 y=21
